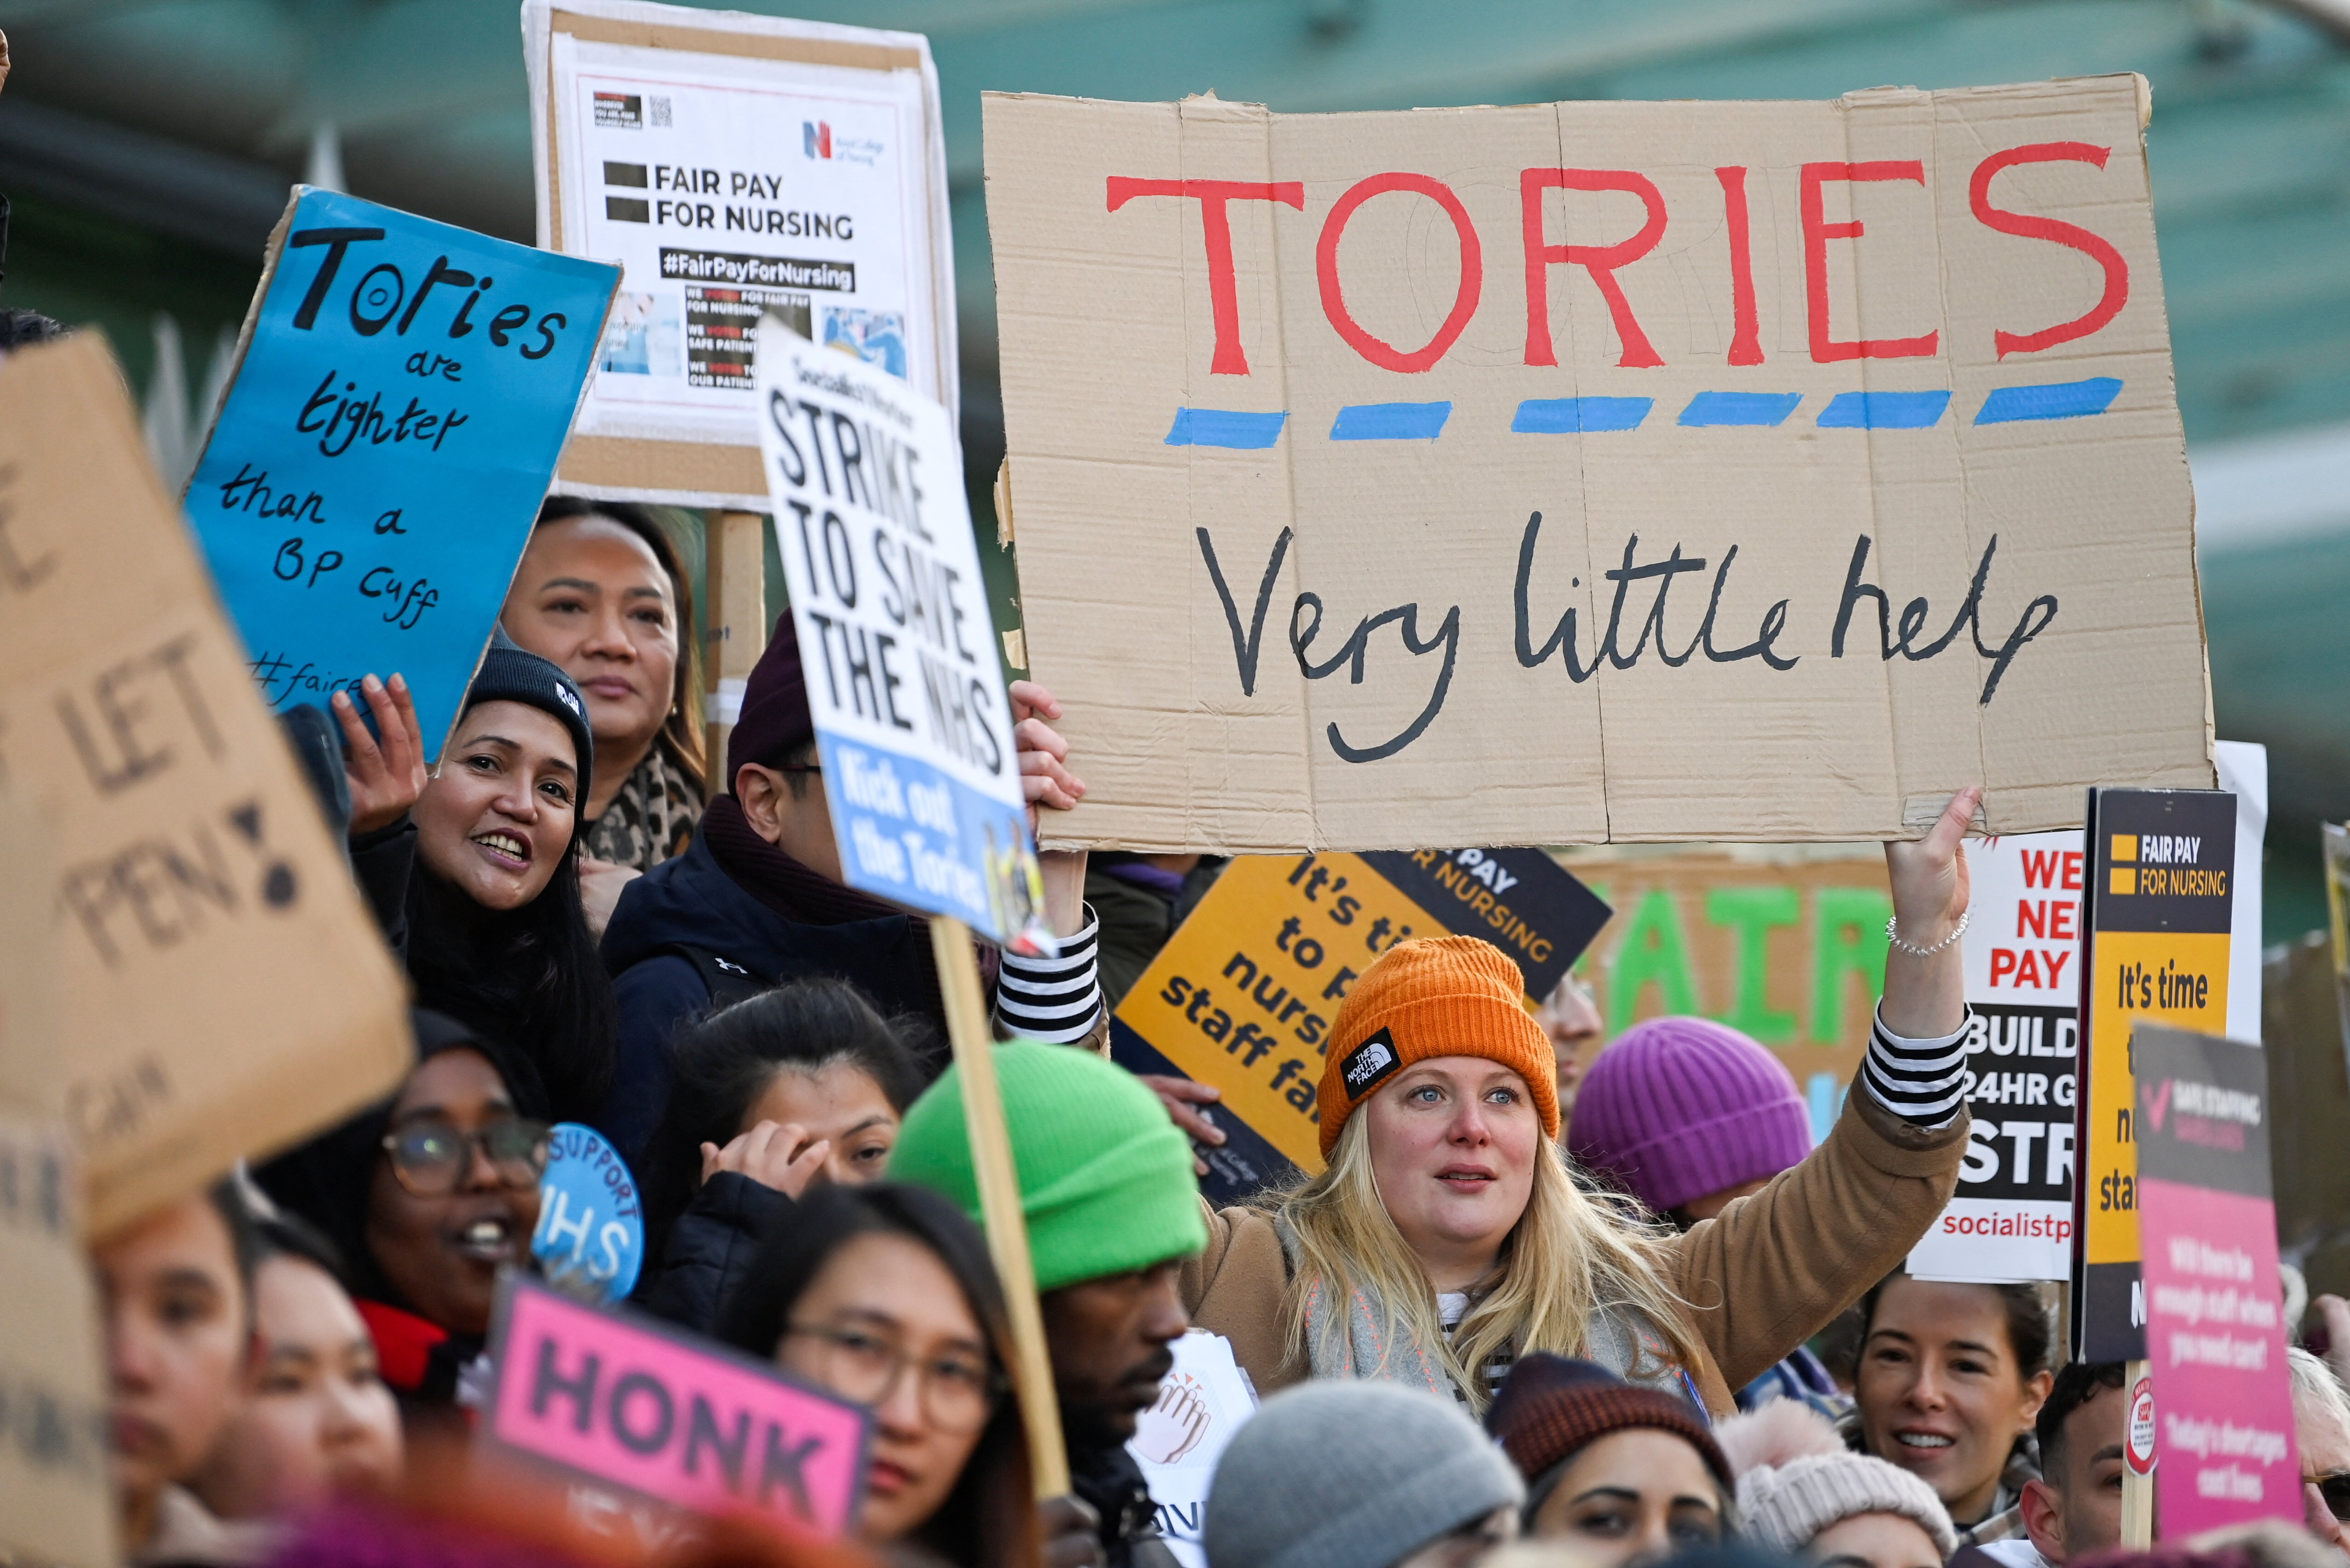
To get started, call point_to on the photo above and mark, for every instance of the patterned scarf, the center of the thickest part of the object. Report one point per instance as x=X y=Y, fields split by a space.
x=652 y=818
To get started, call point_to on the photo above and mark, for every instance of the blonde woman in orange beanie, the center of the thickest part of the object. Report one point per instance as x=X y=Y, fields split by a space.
x=1446 y=1234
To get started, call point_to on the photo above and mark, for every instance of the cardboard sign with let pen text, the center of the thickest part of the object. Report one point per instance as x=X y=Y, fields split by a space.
x=221 y=990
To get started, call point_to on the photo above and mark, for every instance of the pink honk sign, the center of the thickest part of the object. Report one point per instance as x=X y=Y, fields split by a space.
x=635 y=1405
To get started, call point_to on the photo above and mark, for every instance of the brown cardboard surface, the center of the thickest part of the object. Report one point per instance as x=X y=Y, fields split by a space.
x=1792 y=950
x=223 y=989
x=54 y=1503
x=1346 y=297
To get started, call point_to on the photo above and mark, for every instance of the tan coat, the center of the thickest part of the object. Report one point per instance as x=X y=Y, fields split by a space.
x=1766 y=1275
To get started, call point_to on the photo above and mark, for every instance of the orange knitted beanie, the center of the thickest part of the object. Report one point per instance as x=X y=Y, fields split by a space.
x=1441 y=996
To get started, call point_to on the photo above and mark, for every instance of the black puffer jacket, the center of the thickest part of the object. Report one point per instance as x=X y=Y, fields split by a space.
x=709 y=1249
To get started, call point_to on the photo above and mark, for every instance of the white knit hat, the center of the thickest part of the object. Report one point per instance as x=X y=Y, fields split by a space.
x=1796 y=1478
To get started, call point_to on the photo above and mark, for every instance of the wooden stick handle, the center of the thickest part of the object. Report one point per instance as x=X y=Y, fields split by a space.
x=999 y=1198
x=735 y=550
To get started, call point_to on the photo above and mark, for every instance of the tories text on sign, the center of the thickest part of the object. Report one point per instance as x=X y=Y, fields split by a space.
x=404 y=389
x=1672 y=470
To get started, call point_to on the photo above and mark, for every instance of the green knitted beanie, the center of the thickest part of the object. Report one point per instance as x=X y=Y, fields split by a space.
x=1104 y=1177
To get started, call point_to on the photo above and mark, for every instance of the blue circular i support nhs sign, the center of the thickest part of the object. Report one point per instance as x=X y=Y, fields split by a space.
x=591 y=1222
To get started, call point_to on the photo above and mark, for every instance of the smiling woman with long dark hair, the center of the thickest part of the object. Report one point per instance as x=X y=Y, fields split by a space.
x=494 y=930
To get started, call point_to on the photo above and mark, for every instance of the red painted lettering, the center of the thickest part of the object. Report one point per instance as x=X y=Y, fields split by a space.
x=1601 y=260
x=2056 y=961
x=2072 y=882
x=2040 y=867
x=1818 y=232
x=2001 y=963
x=1215 y=222
x=1746 y=338
x=2032 y=917
x=2060 y=920
x=1386 y=356
x=2055 y=231
x=2028 y=971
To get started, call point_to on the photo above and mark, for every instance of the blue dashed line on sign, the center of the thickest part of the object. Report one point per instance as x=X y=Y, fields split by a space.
x=2056 y=400
x=1572 y=416
x=1391 y=422
x=1225 y=426
x=1884 y=411
x=1740 y=408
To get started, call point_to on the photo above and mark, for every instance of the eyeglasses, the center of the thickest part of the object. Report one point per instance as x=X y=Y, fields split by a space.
x=429 y=1159
x=2334 y=1485
x=957 y=1392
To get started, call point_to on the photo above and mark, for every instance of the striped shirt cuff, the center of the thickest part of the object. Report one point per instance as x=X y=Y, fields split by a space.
x=1923 y=1082
x=1055 y=1000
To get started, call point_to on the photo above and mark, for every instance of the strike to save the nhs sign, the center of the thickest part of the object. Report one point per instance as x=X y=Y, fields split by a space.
x=913 y=727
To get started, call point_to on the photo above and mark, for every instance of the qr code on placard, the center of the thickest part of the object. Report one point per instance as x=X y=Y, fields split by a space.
x=659 y=106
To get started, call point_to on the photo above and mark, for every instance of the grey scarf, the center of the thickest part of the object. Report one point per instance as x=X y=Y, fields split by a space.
x=1613 y=1337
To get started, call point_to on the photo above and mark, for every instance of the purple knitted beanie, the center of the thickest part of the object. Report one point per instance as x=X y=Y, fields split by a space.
x=1678 y=1107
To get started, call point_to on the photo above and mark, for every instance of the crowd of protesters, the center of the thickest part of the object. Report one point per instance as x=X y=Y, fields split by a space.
x=1551 y=1297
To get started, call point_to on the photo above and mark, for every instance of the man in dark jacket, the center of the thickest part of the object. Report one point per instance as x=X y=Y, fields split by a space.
x=1113 y=1213
x=759 y=899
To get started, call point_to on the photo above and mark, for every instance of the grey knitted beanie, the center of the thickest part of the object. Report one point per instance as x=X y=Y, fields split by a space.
x=1349 y=1474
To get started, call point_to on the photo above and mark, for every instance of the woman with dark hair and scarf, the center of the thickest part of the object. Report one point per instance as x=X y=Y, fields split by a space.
x=602 y=593
x=884 y=1294
x=480 y=868
x=426 y=1196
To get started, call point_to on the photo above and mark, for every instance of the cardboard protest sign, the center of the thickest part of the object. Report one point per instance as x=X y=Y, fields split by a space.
x=1787 y=947
x=56 y=1503
x=402 y=388
x=2215 y=1331
x=1357 y=459
x=591 y=1223
x=624 y=1401
x=224 y=990
x=734 y=165
x=1244 y=994
x=1202 y=1401
x=913 y=727
x=2155 y=919
x=2012 y=1217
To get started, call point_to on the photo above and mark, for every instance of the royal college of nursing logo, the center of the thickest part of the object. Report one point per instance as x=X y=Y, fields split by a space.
x=816 y=137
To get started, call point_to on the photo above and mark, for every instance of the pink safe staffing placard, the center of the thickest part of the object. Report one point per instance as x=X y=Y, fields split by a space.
x=633 y=1404
x=2215 y=1332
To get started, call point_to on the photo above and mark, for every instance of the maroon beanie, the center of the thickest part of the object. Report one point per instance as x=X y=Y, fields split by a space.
x=1552 y=1407
x=774 y=721
x=1678 y=1107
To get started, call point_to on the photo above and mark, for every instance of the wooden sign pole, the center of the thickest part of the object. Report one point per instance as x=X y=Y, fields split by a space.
x=735 y=545
x=999 y=1198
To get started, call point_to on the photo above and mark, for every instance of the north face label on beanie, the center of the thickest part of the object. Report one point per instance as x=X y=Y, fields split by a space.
x=1369 y=1062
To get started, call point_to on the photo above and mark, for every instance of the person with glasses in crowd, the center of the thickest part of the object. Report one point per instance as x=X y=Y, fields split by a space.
x=884 y=1295
x=427 y=1197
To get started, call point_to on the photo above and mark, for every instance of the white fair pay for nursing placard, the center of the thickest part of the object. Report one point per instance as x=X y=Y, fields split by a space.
x=913 y=727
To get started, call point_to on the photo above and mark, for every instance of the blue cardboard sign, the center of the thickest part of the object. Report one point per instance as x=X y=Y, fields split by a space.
x=591 y=1223
x=404 y=391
